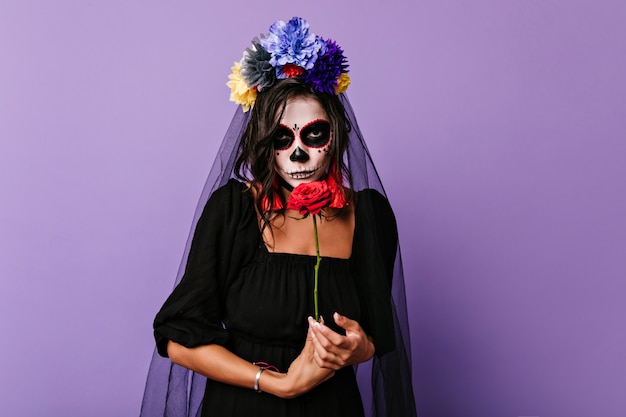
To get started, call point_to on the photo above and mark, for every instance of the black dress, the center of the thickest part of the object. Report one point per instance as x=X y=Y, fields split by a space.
x=255 y=303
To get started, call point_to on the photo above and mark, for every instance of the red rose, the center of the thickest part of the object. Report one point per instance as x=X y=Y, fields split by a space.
x=310 y=198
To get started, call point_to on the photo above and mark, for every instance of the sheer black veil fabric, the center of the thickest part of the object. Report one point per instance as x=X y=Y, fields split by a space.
x=384 y=381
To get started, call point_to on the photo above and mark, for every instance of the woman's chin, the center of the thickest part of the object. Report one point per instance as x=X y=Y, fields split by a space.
x=297 y=179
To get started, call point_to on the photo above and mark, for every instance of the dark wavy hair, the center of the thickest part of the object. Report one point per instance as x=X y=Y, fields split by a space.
x=256 y=161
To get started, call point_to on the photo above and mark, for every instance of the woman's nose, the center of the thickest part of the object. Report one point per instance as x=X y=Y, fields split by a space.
x=298 y=155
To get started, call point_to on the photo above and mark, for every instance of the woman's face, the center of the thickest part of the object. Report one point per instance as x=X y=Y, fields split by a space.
x=303 y=142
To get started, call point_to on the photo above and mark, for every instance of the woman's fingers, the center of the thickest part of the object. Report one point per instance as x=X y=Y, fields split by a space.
x=335 y=351
x=304 y=373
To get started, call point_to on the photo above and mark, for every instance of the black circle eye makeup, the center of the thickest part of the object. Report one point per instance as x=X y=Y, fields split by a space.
x=283 y=138
x=315 y=134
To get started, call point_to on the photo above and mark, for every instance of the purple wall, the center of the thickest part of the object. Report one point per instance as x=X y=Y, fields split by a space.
x=498 y=129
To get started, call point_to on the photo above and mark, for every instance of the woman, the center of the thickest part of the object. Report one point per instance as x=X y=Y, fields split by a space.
x=241 y=315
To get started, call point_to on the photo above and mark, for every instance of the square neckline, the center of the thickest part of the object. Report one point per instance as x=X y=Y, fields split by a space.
x=354 y=235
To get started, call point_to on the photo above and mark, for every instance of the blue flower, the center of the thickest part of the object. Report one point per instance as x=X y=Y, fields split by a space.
x=292 y=43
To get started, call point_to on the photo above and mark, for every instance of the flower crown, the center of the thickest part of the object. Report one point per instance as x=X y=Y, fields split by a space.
x=290 y=50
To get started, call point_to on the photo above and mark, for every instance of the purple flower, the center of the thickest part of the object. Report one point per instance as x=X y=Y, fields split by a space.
x=291 y=43
x=256 y=69
x=328 y=67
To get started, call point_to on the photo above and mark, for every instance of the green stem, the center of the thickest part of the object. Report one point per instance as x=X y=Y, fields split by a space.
x=317 y=267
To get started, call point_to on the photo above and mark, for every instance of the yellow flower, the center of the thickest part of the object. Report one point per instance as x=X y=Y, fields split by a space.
x=240 y=93
x=342 y=83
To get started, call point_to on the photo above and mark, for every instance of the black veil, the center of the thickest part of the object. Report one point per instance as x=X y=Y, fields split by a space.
x=384 y=381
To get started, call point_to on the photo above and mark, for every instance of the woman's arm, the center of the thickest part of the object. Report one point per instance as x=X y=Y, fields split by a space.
x=334 y=351
x=218 y=363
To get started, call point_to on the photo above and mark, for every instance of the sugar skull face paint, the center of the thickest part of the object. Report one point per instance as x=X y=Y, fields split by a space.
x=315 y=134
x=303 y=142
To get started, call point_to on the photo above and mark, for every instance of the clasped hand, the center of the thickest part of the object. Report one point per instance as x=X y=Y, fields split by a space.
x=334 y=351
x=325 y=352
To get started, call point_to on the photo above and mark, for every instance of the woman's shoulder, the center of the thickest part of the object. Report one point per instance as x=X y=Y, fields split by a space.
x=229 y=202
x=233 y=192
x=372 y=200
x=374 y=213
x=233 y=186
x=370 y=194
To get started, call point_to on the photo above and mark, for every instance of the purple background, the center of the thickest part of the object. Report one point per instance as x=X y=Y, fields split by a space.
x=498 y=129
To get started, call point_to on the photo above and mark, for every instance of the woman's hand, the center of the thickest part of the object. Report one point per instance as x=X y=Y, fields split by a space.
x=304 y=373
x=334 y=351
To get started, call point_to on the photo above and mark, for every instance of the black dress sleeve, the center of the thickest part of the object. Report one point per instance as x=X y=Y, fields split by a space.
x=375 y=246
x=192 y=314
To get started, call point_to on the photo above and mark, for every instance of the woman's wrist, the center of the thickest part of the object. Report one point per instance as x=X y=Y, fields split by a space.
x=257 y=378
x=275 y=383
